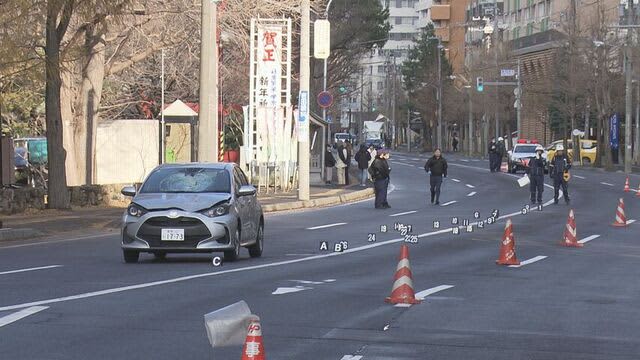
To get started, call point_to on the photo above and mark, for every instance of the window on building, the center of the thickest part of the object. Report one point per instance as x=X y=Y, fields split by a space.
x=370 y=69
x=398 y=20
x=547 y=8
x=399 y=3
x=529 y=29
x=381 y=69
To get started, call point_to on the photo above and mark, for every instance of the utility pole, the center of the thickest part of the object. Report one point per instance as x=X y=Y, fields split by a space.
x=163 y=131
x=324 y=78
x=495 y=49
x=408 y=129
x=637 y=142
x=470 y=134
x=393 y=106
x=208 y=116
x=303 y=144
x=519 y=103
x=628 y=92
x=439 y=127
x=358 y=131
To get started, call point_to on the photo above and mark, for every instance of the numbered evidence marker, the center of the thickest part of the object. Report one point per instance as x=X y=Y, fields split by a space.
x=455 y=230
x=526 y=209
x=465 y=222
x=217 y=261
x=412 y=239
x=481 y=224
x=454 y=221
x=469 y=228
x=371 y=238
x=436 y=224
x=383 y=228
x=495 y=214
x=476 y=214
x=490 y=220
x=340 y=246
x=539 y=207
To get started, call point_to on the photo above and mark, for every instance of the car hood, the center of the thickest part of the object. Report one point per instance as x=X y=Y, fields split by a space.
x=183 y=201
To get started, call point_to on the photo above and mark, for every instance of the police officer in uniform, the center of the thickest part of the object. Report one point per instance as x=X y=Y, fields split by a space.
x=536 y=175
x=559 y=166
x=493 y=155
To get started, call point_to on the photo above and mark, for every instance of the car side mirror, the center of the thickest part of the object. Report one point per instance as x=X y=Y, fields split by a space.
x=128 y=191
x=247 y=190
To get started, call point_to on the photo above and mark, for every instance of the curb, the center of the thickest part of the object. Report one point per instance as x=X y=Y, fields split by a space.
x=318 y=203
x=18 y=234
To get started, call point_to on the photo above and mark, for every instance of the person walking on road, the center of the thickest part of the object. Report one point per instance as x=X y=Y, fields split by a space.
x=454 y=143
x=536 y=175
x=340 y=162
x=501 y=151
x=558 y=168
x=329 y=163
x=380 y=171
x=493 y=154
x=362 y=158
x=437 y=167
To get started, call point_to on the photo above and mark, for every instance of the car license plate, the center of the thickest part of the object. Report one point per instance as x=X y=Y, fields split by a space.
x=172 y=235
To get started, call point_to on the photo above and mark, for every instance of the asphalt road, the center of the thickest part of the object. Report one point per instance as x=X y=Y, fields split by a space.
x=78 y=300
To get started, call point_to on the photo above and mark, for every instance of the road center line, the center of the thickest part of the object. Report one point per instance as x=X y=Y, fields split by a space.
x=606 y=183
x=352 y=357
x=471 y=193
x=455 y=180
x=470 y=186
x=449 y=203
x=404 y=213
x=629 y=222
x=6 y=320
x=579 y=177
x=29 y=269
x=325 y=226
x=588 y=238
x=530 y=261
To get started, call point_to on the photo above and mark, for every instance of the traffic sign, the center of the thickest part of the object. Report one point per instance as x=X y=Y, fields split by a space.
x=507 y=72
x=321 y=39
x=325 y=99
x=329 y=119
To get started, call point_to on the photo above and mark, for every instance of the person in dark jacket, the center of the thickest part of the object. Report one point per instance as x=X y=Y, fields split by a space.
x=329 y=163
x=437 y=166
x=380 y=171
x=501 y=151
x=536 y=175
x=347 y=160
x=559 y=165
x=362 y=158
x=493 y=155
x=454 y=143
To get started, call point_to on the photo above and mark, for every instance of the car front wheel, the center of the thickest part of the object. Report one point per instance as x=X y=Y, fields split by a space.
x=255 y=250
x=131 y=256
x=233 y=254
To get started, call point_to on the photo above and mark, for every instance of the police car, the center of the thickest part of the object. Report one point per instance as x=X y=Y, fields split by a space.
x=522 y=152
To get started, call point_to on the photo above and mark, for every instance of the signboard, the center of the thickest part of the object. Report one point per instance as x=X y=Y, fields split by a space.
x=325 y=99
x=614 y=130
x=303 y=117
x=321 y=39
x=269 y=66
x=507 y=72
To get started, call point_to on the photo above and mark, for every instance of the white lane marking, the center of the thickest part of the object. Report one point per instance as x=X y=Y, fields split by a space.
x=420 y=167
x=530 y=261
x=325 y=226
x=59 y=241
x=298 y=254
x=289 y=290
x=629 y=222
x=29 y=269
x=588 y=238
x=449 y=203
x=579 y=177
x=606 y=183
x=404 y=213
x=465 y=160
x=471 y=193
x=455 y=180
x=330 y=280
x=424 y=293
x=308 y=282
x=351 y=357
x=6 y=320
x=470 y=186
x=415 y=159
x=402 y=305
x=241 y=269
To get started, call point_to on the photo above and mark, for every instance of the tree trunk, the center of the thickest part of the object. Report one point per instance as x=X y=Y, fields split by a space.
x=57 y=184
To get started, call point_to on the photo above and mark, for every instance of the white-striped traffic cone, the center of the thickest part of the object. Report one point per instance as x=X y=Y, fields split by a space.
x=621 y=219
x=402 y=291
x=626 y=185
x=570 y=232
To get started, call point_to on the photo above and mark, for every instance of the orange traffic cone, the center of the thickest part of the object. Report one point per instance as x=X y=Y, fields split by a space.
x=626 y=185
x=621 y=219
x=570 y=232
x=402 y=291
x=508 y=247
x=253 y=346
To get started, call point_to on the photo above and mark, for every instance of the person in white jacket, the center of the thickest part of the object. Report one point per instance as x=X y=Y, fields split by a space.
x=340 y=165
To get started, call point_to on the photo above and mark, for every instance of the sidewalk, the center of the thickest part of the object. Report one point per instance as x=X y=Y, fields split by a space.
x=96 y=220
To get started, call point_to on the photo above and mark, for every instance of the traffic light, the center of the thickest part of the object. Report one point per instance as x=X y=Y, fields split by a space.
x=480 y=84
x=343 y=89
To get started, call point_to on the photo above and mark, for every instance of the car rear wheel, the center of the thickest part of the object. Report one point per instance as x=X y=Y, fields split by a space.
x=234 y=254
x=131 y=256
x=255 y=250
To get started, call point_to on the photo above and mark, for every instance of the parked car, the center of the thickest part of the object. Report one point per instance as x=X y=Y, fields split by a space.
x=519 y=157
x=194 y=207
x=588 y=150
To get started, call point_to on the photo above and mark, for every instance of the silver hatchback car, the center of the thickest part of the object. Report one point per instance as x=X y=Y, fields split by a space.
x=193 y=208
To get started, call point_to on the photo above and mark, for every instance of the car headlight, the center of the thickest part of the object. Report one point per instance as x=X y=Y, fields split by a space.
x=135 y=210
x=218 y=210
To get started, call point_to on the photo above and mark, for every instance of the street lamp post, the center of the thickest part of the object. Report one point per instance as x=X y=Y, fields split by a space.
x=439 y=96
x=324 y=76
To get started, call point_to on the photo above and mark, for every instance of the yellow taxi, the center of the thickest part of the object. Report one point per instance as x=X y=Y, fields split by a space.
x=588 y=150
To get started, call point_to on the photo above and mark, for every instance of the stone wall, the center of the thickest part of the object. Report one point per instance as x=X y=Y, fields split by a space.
x=14 y=201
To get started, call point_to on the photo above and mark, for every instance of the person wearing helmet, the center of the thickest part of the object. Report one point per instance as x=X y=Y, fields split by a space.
x=536 y=175
x=559 y=165
x=502 y=151
x=493 y=155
